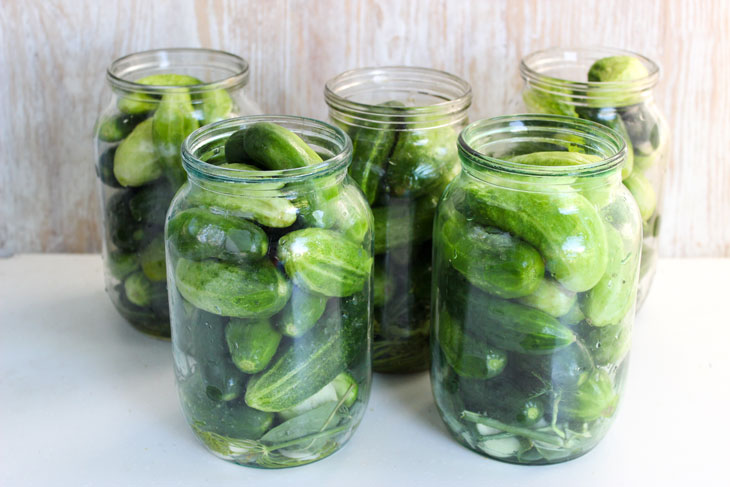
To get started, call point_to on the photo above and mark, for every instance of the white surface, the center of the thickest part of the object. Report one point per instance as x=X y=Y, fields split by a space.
x=87 y=400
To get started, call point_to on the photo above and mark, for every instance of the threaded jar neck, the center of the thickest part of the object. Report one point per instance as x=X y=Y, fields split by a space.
x=427 y=98
x=217 y=69
x=562 y=73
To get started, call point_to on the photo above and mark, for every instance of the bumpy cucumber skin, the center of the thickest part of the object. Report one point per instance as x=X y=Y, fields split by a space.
x=272 y=211
x=242 y=291
x=304 y=368
x=565 y=227
x=252 y=344
x=136 y=161
x=615 y=294
x=370 y=151
x=196 y=233
x=491 y=259
x=274 y=147
x=324 y=261
x=301 y=313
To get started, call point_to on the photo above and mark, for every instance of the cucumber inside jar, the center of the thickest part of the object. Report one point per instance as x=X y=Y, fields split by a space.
x=272 y=339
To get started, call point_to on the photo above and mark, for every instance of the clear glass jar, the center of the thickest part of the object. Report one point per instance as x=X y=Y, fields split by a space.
x=271 y=312
x=536 y=261
x=156 y=99
x=404 y=123
x=556 y=81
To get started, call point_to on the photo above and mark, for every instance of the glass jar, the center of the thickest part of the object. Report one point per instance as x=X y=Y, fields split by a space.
x=156 y=99
x=271 y=311
x=536 y=260
x=556 y=81
x=404 y=123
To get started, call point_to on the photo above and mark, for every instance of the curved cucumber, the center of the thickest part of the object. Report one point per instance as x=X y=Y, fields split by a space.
x=243 y=291
x=269 y=210
x=491 y=259
x=301 y=313
x=252 y=345
x=615 y=294
x=565 y=227
x=272 y=146
x=196 y=233
x=136 y=161
x=324 y=261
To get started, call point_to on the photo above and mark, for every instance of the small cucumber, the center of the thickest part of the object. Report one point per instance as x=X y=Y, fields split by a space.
x=564 y=227
x=551 y=298
x=139 y=289
x=326 y=395
x=173 y=120
x=643 y=193
x=272 y=146
x=243 y=291
x=138 y=103
x=198 y=234
x=346 y=387
x=403 y=221
x=214 y=104
x=269 y=210
x=152 y=260
x=301 y=313
x=136 y=161
x=121 y=264
x=251 y=344
x=565 y=369
x=105 y=168
x=491 y=259
x=595 y=398
x=115 y=128
x=610 y=117
x=556 y=101
x=301 y=370
x=615 y=294
x=324 y=261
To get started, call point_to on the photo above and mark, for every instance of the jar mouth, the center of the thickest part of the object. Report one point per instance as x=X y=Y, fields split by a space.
x=563 y=72
x=430 y=97
x=330 y=140
x=486 y=144
x=224 y=70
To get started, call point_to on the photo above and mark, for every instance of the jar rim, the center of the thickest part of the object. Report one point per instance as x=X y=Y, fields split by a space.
x=612 y=141
x=124 y=66
x=534 y=65
x=214 y=132
x=455 y=93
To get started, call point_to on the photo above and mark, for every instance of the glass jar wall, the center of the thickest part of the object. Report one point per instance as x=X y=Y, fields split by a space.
x=404 y=124
x=612 y=87
x=536 y=262
x=270 y=280
x=156 y=99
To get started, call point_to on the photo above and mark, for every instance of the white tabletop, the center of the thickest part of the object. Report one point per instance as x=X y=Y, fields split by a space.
x=87 y=400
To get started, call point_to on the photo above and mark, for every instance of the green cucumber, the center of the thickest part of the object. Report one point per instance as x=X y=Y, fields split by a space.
x=152 y=260
x=564 y=227
x=215 y=105
x=324 y=261
x=610 y=117
x=272 y=146
x=121 y=264
x=138 y=103
x=252 y=344
x=491 y=259
x=243 y=291
x=403 y=222
x=301 y=313
x=551 y=298
x=346 y=387
x=234 y=150
x=556 y=101
x=608 y=345
x=301 y=370
x=615 y=294
x=643 y=193
x=117 y=127
x=269 y=209
x=198 y=234
x=136 y=161
x=555 y=158
x=149 y=204
x=595 y=398
x=173 y=120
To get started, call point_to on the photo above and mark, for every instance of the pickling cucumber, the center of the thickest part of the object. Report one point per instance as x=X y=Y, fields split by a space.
x=136 y=161
x=468 y=355
x=301 y=313
x=272 y=146
x=243 y=291
x=268 y=210
x=403 y=222
x=251 y=344
x=551 y=298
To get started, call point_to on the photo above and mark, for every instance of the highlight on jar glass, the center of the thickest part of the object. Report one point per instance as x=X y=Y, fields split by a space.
x=614 y=88
x=404 y=123
x=156 y=99
x=536 y=262
x=269 y=267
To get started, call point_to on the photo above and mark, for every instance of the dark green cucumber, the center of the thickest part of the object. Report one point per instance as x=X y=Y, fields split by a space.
x=105 y=168
x=198 y=234
x=468 y=355
x=490 y=258
x=115 y=128
x=403 y=222
x=148 y=205
x=272 y=146
x=564 y=227
x=301 y=313
x=234 y=150
x=252 y=344
x=564 y=370
x=254 y=291
x=514 y=327
x=324 y=261
x=305 y=367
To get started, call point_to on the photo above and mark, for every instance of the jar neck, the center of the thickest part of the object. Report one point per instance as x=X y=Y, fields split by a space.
x=488 y=148
x=217 y=70
x=562 y=73
x=208 y=142
x=398 y=98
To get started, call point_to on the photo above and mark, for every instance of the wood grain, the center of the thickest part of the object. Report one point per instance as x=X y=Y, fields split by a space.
x=53 y=55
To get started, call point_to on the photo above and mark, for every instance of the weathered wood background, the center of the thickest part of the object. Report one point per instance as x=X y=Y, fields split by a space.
x=53 y=55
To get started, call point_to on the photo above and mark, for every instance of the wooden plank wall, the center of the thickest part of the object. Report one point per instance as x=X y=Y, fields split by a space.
x=53 y=55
